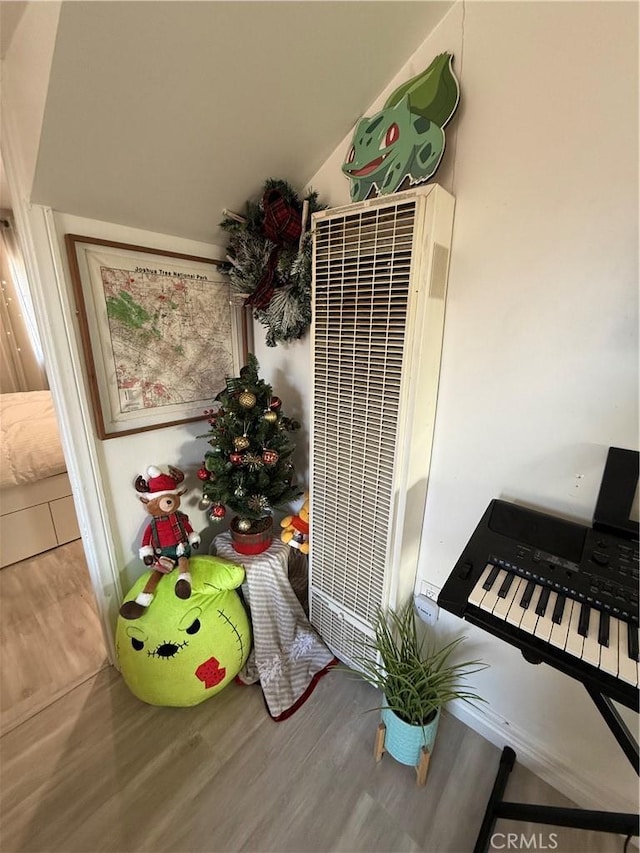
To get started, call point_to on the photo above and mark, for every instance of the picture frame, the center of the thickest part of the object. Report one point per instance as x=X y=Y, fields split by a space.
x=161 y=331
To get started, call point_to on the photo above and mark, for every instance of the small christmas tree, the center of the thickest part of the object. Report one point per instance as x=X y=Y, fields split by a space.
x=248 y=468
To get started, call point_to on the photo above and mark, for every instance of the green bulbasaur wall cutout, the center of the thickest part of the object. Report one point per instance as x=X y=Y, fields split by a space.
x=406 y=138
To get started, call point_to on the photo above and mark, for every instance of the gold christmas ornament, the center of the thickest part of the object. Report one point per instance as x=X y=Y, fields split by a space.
x=253 y=461
x=241 y=442
x=270 y=416
x=258 y=503
x=247 y=400
x=243 y=525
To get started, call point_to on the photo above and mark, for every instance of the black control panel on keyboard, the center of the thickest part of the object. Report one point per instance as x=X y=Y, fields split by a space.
x=585 y=564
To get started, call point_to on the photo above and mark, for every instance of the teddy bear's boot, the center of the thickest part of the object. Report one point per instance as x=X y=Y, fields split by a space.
x=133 y=609
x=183 y=584
x=136 y=608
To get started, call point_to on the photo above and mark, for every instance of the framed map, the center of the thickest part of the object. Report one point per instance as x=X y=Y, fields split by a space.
x=160 y=332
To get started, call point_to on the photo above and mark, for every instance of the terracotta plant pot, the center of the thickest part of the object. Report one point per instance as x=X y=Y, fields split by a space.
x=254 y=541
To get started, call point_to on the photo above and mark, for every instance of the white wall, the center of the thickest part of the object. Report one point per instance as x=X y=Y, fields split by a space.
x=540 y=370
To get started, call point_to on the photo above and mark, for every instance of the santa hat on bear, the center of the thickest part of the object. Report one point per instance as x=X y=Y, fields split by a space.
x=158 y=483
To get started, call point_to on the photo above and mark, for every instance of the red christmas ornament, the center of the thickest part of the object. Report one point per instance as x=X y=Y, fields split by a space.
x=275 y=404
x=236 y=458
x=218 y=511
x=270 y=457
x=203 y=474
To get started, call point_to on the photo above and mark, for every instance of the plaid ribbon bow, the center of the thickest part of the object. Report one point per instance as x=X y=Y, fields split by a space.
x=282 y=225
x=282 y=222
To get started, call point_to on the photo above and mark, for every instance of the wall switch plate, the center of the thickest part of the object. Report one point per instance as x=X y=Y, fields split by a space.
x=427 y=609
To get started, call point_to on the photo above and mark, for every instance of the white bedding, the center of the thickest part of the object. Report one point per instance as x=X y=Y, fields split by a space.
x=30 y=448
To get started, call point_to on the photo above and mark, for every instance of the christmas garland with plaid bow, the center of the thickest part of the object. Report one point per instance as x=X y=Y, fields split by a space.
x=269 y=260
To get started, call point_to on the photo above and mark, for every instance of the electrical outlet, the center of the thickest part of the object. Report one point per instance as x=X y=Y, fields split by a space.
x=427 y=609
x=429 y=590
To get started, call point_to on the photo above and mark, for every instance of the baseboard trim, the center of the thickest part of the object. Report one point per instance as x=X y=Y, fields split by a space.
x=535 y=758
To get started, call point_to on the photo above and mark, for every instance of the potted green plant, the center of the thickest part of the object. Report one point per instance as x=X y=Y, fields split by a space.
x=416 y=679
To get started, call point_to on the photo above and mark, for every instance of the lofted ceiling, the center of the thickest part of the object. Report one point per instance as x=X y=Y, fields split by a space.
x=11 y=12
x=161 y=114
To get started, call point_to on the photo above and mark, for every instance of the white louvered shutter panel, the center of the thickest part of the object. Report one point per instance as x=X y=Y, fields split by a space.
x=380 y=275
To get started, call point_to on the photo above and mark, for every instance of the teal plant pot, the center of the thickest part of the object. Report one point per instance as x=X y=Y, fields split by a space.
x=403 y=741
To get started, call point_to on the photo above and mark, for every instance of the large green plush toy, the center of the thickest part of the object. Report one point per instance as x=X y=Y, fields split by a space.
x=183 y=651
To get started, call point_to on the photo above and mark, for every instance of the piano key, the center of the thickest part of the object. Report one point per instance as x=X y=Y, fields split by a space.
x=530 y=617
x=477 y=593
x=627 y=667
x=527 y=594
x=503 y=605
x=583 y=624
x=575 y=640
x=493 y=574
x=609 y=652
x=560 y=630
x=543 y=598
x=632 y=641
x=603 y=629
x=544 y=624
x=591 y=648
x=491 y=596
x=506 y=585
x=558 y=609
x=514 y=614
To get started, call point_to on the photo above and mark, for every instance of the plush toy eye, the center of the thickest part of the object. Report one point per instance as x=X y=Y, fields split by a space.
x=138 y=645
x=190 y=622
x=392 y=135
x=168 y=503
x=352 y=154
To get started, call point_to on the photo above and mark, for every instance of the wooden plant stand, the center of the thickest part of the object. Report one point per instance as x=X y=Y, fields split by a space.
x=422 y=768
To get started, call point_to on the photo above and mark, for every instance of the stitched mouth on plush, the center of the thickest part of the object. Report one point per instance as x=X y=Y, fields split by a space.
x=210 y=672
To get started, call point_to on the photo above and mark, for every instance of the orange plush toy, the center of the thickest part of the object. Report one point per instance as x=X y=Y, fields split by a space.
x=296 y=528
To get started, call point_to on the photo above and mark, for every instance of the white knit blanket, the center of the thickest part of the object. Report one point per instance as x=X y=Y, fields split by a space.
x=288 y=655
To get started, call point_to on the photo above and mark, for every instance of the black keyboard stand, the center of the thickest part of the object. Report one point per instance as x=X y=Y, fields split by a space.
x=615 y=822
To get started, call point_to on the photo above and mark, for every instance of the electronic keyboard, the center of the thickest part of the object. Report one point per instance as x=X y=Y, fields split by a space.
x=564 y=593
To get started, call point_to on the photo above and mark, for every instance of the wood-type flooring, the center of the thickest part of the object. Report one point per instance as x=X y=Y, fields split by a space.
x=94 y=769
x=50 y=633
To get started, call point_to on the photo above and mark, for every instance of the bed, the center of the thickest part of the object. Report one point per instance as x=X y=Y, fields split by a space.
x=36 y=506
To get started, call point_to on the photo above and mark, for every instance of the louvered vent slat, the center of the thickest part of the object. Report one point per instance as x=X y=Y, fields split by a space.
x=369 y=262
x=362 y=280
x=340 y=635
